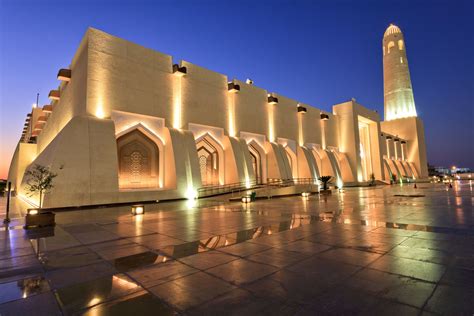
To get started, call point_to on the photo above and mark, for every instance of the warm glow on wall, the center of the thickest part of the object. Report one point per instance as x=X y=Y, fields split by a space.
x=177 y=102
x=271 y=123
x=300 y=130
x=323 y=134
x=99 y=111
x=231 y=114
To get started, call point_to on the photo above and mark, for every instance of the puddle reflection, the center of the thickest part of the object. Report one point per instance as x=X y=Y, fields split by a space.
x=87 y=294
x=128 y=263
x=22 y=289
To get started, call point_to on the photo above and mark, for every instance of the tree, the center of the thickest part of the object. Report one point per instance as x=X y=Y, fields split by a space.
x=325 y=180
x=40 y=181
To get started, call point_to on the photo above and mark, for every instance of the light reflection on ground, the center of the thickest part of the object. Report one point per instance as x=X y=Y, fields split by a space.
x=363 y=250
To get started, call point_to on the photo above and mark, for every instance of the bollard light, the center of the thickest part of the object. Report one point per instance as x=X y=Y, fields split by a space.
x=138 y=210
x=32 y=211
x=246 y=199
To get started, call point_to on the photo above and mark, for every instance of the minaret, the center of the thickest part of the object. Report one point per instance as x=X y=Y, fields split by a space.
x=398 y=92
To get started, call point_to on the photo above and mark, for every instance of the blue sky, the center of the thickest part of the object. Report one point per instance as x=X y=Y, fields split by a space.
x=318 y=52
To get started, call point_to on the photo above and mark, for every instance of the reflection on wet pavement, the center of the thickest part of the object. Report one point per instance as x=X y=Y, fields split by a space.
x=395 y=249
x=87 y=294
x=22 y=288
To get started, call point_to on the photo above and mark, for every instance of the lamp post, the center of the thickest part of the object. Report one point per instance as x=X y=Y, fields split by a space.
x=7 y=218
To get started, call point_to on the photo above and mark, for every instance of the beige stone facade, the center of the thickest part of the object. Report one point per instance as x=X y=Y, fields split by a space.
x=128 y=125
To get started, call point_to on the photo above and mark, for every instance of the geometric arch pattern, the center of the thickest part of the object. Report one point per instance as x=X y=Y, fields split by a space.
x=138 y=158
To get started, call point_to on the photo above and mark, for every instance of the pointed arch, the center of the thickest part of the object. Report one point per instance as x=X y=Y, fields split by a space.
x=257 y=154
x=140 y=158
x=211 y=160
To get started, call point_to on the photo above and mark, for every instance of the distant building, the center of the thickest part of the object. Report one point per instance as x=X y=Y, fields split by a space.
x=126 y=124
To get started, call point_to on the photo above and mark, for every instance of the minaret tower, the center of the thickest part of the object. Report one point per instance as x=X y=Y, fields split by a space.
x=398 y=92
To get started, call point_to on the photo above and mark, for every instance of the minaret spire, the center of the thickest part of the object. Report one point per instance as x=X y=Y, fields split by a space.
x=398 y=91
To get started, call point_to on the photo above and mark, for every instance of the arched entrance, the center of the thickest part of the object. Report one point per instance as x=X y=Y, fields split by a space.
x=256 y=163
x=208 y=158
x=138 y=158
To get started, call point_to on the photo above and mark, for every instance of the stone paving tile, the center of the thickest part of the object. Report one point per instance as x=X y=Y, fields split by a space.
x=156 y=241
x=328 y=271
x=427 y=271
x=95 y=237
x=389 y=308
x=304 y=246
x=140 y=303
x=16 y=266
x=447 y=300
x=21 y=289
x=394 y=232
x=86 y=294
x=110 y=244
x=244 y=249
x=351 y=256
x=127 y=230
x=66 y=277
x=69 y=258
x=391 y=286
x=191 y=290
x=465 y=260
x=239 y=302
x=459 y=277
x=161 y=273
x=341 y=301
x=60 y=240
x=125 y=250
x=288 y=286
x=206 y=260
x=242 y=271
x=16 y=252
x=421 y=254
x=42 y=305
x=277 y=257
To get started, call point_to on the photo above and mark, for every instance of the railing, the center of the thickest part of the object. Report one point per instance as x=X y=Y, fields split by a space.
x=290 y=182
x=252 y=185
x=226 y=188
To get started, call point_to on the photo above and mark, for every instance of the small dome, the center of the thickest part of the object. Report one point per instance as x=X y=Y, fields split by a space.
x=392 y=29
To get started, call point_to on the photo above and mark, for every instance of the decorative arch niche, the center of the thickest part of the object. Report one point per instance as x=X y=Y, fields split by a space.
x=210 y=159
x=140 y=159
x=256 y=163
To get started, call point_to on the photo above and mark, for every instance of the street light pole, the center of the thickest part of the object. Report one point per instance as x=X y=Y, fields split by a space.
x=7 y=218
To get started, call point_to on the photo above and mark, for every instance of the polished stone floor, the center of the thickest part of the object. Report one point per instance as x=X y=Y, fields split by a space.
x=394 y=250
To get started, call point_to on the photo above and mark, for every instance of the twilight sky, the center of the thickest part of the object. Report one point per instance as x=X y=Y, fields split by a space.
x=317 y=52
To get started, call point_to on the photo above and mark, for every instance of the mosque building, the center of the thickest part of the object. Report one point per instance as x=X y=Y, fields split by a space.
x=126 y=124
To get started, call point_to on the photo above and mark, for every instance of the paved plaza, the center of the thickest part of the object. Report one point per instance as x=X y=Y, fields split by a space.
x=392 y=250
